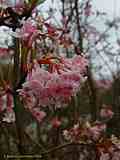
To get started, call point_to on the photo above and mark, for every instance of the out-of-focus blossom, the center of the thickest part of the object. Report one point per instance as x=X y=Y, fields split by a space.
x=116 y=141
x=106 y=112
x=96 y=131
x=80 y=63
x=3 y=99
x=116 y=155
x=104 y=156
x=3 y=3
x=66 y=135
x=105 y=84
x=4 y=52
x=7 y=104
x=88 y=9
x=56 y=122
x=19 y=6
x=73 y=134
x=76 y=132
x=107 y=156
x=38 y=114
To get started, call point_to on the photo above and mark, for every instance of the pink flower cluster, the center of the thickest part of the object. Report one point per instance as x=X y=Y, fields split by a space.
x=43 y=88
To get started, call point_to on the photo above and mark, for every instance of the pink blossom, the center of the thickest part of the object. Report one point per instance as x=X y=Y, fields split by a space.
x=38 y=114
x=96 y=130
x=66 y=63
x=28 y=33
x=4 y=52
x=11 y=3
x=76 y=132
x=19 y=5
x=10 y=102
x=67 y=135
x=50 y=88
x=44 y=89
x=116 y=155
x=106 y=112
x=71 y=77
x=87 y=10
x=104 y=156
x=7 y=104
x=60 y=88
x=79 y=63
x=76 y=64
x=3 y=3
x=30 y=93
x=116 y=141
x=52 y=31
x=41 y=75
x=2 y=103
x=105 y=84
x=55 y=122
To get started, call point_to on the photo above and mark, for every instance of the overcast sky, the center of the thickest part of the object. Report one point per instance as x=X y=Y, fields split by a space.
x=112 y=7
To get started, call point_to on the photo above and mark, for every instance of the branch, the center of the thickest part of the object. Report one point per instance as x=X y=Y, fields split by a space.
x=92 y=95
x=78 y=26
x=55 y=149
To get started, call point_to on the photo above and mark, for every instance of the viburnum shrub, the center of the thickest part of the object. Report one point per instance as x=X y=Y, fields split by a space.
x=35 y=78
